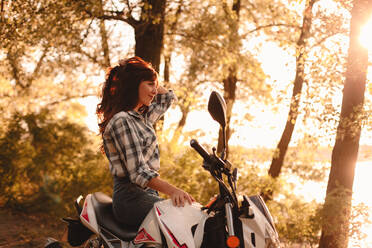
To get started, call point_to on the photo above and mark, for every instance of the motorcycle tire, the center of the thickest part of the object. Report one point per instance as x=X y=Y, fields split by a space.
x=94 y=242
x=154 y=246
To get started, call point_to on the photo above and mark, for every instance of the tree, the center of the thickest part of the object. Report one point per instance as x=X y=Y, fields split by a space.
x=282 y=147
x=149 y=32
x=44 y=159
x=318 y=50
x=214 y=41
x=45 y=152
x=35 y=68
x=231 y=79
x=337 y=206
x=145 y=17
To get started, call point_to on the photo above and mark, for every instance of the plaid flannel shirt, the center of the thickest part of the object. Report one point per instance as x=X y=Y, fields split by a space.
x=130 y=142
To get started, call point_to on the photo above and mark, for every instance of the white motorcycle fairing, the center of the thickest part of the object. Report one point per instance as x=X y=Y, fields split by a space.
x=175 y=223
x=88 y=216
x=257 y=231
x=254 y=226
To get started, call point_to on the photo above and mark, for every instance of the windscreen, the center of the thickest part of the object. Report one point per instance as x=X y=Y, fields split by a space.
x=257 y=200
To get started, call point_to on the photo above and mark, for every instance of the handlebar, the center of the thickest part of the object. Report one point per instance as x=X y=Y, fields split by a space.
x=216 y=166
x=194 y=144
x=211 y=159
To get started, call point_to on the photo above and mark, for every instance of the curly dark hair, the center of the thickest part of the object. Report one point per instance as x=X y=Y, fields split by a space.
x=120 y=89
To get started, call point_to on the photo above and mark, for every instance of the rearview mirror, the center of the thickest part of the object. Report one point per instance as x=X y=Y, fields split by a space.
x=217 y=108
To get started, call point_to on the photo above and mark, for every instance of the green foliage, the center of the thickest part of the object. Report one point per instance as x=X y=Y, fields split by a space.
x=336 y=215
x=47 y=162
x=297 y=221
x=214 y=45
x=360 y=217
x=182 y=167
x=307 y=165
x=35 y=36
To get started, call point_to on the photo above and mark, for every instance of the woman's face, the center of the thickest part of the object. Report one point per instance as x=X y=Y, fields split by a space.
x=146 y=92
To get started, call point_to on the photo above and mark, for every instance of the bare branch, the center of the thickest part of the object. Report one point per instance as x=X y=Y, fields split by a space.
x=104 y=42
x=188 y=36
x=251 y=14
x=129 y=7
x=2 y=11
x=115 y=15
x=15 y=70
x=35 y=73
x=69 y=98
x=87 y=30
x=93 y=58
x=273 y=25
x=178 y=13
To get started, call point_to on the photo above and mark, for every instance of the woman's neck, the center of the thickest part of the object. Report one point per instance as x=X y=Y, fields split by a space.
x=139 y=108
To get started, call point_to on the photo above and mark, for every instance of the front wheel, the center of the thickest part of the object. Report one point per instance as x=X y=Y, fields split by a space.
x=94 y=242
x=154 y=246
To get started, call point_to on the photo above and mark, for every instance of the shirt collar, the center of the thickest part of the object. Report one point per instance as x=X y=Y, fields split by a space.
x=134 y=113
x=138 y=115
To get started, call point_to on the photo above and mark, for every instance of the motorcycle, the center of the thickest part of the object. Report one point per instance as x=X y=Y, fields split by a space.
x=227 y=221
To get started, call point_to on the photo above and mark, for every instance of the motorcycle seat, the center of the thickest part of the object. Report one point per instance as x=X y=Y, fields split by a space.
x=102 y=205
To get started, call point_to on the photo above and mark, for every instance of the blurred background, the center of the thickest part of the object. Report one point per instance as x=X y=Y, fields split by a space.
x=286 y=69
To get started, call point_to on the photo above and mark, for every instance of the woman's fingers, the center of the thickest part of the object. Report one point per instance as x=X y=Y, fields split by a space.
x=180 y=197
x=189 y=198
x=180 y=201
x=175 y=200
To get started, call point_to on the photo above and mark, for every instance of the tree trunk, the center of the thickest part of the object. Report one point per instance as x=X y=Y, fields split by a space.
x=149 y=36
x=104 y=40
x=282 y=147
x=184 y=105
x=185 y=109
x=149 y=33
x=229 y=83
x=337 y=207
x=166 y=72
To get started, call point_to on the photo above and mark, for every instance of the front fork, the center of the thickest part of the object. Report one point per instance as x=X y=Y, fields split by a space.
x=229 y=219
x=233 y=240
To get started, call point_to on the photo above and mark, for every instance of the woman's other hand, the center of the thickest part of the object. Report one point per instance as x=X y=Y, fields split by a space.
x=180 y=197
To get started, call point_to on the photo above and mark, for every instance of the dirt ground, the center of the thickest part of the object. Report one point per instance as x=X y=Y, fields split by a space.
x=27 y=230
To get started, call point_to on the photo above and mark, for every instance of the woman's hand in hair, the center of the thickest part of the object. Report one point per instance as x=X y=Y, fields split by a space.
x=162 y=90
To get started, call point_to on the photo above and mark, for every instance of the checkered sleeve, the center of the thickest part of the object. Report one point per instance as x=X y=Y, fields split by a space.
x=160 y=105
x=128 y=144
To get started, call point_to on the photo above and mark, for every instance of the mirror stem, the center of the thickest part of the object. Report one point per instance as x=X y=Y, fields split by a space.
x=223 y=153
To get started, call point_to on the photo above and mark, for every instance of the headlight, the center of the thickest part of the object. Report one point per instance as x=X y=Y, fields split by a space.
x=271 y=238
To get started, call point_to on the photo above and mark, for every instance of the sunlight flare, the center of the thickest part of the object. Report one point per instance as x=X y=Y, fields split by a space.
x=366 y=35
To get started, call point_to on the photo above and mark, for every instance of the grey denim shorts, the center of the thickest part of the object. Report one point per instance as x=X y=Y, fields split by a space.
x=132 y=203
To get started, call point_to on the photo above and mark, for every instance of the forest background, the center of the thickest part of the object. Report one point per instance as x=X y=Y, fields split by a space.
x=280 y=65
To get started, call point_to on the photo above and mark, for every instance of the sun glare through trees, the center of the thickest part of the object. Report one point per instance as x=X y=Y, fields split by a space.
x=366 y=35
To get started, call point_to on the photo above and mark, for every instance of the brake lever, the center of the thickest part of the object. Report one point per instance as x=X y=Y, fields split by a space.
x=206 y=165
x=235 y=176
x=223 y=165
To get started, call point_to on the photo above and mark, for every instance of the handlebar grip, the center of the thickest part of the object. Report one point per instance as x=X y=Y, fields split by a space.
x=194 y=144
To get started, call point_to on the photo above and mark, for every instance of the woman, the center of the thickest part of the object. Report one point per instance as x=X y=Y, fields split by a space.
x=132 y=101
